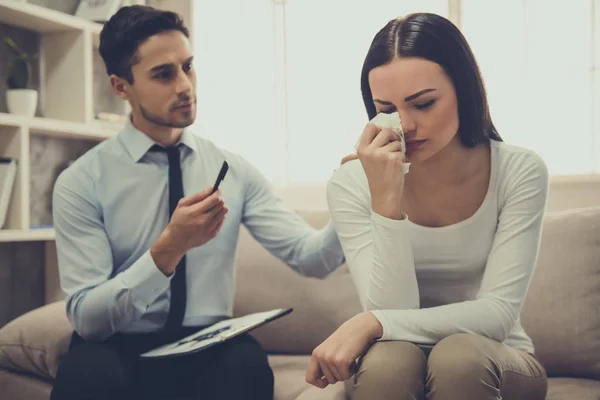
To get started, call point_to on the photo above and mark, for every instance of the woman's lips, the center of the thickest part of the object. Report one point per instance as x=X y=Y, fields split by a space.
x=412 y=145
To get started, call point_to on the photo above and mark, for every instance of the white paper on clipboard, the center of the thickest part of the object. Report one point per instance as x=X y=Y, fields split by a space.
x=216 y=333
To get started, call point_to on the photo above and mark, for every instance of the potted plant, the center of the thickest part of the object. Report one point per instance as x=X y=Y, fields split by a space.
x=20 y=99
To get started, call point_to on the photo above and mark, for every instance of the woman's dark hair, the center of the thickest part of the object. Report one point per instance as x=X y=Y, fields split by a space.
x=434 y=38
x=127 y=29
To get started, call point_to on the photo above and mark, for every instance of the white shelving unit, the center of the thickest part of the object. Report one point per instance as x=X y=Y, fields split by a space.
x=66 y=65
x=95 y=130
x=67 y=51
x=26 y=235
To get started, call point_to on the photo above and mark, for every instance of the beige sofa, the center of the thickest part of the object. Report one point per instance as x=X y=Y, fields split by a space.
x=562 y=314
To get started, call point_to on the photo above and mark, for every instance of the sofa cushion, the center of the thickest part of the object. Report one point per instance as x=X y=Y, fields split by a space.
x=35 y=341
x=17 y=386
x=561 y=310
x=573 y=388
x=320 y=306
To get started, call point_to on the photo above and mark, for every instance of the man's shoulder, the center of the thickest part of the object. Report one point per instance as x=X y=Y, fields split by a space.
x=82 y=170
x=208 y=148
x=240 y=168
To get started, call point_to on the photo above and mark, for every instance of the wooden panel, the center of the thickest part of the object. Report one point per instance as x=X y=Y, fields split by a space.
x=21 y=279
x=52 y=290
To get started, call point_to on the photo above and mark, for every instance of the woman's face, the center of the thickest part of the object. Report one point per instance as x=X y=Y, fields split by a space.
x=425 y=98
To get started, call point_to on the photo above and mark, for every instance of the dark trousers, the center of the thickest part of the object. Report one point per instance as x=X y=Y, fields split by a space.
x=112 y=370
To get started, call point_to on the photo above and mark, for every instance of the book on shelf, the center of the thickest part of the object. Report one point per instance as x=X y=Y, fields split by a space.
x=8 y=173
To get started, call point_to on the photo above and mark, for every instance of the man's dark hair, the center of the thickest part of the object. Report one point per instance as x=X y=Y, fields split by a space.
x=127 y=29
x=434 y=38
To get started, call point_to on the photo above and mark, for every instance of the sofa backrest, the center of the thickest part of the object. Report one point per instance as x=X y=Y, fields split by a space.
x=561 y=312
x=562 y=309
x=320 y=306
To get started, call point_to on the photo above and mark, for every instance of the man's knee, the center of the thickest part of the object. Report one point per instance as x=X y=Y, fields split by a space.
x=461 y=359
x=393 y=369
x=92 y=371
x=247 y=361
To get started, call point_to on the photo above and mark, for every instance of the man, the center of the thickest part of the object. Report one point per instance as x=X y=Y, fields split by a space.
x=146 y=252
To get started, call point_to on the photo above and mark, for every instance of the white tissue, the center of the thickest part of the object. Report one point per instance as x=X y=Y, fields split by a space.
x=393 y=122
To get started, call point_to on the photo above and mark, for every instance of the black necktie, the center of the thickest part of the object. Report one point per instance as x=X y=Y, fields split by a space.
x=178 y=285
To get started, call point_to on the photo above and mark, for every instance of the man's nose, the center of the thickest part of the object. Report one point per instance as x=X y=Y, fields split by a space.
x=184 y=83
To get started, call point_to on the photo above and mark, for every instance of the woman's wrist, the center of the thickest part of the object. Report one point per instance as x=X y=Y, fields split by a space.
x=373 y=327
x=389 y=209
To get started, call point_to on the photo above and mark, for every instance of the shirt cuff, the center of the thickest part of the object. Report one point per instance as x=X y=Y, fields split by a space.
x=385 y=324
x=332 y=255
x=388 y=222
x=145 y=281
x=331 y=242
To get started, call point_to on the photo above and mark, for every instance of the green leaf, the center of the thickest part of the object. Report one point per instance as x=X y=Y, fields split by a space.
x=11 y=43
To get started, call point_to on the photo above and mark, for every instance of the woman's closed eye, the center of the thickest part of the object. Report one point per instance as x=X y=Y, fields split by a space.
x=420 y=106
x=425 y=105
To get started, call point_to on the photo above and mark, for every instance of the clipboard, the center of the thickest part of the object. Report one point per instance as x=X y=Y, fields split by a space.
x=215 y=334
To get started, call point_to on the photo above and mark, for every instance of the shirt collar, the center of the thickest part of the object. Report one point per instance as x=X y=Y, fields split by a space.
x=137 y=143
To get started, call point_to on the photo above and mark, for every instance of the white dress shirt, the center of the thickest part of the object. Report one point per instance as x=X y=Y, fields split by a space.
x=112 y=204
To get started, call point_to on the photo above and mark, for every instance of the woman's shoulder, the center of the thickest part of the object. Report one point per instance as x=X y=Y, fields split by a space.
x=349 y=180
x=518 y=167
x=515 y=160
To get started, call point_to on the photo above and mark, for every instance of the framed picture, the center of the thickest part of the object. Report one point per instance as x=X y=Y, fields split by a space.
x=99 y=10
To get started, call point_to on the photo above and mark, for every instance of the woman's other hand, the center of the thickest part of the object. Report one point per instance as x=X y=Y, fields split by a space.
x=334 y=360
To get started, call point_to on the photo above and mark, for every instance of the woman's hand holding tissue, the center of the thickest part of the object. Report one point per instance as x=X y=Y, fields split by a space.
x=380 y=153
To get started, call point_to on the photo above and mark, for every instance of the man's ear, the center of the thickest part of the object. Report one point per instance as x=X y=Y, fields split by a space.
x=120 y=87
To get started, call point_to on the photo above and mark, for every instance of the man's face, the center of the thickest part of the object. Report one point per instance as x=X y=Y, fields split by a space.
x=163 y=92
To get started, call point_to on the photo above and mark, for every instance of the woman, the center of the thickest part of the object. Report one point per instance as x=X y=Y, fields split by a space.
x=442 y=256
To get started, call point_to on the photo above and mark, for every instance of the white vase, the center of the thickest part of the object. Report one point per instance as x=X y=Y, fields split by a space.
x=22 y=101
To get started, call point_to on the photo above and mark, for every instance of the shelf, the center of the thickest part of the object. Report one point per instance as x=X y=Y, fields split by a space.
x=96 y=130
x=95 y=29
x=26 y=235
x=42 y=19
